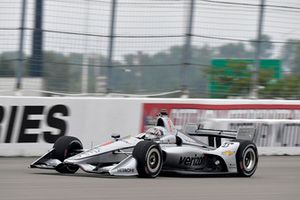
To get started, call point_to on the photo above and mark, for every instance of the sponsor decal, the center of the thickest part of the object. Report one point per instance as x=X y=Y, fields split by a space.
x=125 y=170
x=227 y=144
x=228 y=153
x=190 y=161
x=26 y=123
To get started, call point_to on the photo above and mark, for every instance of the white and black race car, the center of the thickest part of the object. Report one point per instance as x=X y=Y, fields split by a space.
x=160 y=149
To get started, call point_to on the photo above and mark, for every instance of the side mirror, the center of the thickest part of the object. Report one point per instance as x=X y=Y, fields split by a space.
x=116 y=136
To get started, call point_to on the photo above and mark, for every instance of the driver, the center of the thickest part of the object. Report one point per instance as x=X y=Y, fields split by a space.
x=155 y=132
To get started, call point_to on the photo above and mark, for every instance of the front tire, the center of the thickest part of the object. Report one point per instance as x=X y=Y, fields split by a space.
x=149 y=159
x=65 y=147
x=247 y=158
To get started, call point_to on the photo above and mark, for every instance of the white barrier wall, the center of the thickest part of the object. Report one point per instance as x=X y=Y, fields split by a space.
x=29 y=125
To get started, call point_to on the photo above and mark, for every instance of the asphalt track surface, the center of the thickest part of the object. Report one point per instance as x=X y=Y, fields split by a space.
x=275 y=178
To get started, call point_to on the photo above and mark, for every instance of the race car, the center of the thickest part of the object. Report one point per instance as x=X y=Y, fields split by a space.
x=160 y=149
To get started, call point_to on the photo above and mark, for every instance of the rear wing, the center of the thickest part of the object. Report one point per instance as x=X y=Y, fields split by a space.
x=214 y=135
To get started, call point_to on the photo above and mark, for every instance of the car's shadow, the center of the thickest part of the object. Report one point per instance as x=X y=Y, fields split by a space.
x=163 y=175
x=83 y=174
x=180 y=175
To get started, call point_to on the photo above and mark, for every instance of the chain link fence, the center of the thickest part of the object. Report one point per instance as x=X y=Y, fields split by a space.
x=151 y=47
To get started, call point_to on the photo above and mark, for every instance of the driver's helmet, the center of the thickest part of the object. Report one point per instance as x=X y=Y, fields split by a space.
x=155 y=132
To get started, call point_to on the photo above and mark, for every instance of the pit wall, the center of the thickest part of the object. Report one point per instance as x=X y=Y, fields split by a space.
x=30 y=125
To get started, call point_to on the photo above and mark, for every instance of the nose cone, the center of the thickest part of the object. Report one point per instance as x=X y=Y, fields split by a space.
x=69 y=161
x=73 y=160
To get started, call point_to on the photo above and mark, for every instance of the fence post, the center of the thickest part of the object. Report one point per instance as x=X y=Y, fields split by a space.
x=255 y=71
x=85 y=56
x=187 y=49
x=111 y=46
x=37 y=42
x=19 y=70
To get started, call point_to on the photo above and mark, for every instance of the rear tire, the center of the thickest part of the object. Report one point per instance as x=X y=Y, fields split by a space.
x=149 y=159
x=65 y=147
x=246 y=158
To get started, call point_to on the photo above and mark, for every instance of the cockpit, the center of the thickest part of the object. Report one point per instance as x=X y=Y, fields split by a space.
x=155 y=132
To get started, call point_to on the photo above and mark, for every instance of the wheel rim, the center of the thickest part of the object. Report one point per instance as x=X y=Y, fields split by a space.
x=153 y=160
x=249 y=159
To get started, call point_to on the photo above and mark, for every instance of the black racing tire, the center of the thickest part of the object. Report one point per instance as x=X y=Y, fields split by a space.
x=246 y=158
x=65 y=147
x=149 y=159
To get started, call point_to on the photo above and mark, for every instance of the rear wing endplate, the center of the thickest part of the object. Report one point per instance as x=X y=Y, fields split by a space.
x=246 y=134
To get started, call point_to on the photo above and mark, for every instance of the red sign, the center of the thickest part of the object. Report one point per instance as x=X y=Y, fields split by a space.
x=182 y=114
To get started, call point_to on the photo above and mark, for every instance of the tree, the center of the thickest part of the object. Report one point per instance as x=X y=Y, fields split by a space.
x=56 y=72
x=296 y=68
x=198 y=79
x=74 y=71
x=162 y=71
x=234 y=50
x=290 y=56
x=8 y=64
x=287 y=87
x=234 y=78
x=266 y=46
x=240 y=50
